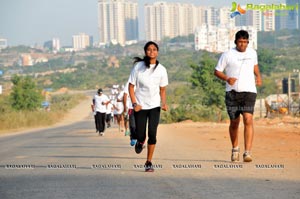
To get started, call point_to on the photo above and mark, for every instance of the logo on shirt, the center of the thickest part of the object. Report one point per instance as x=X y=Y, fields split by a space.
x=244 y=59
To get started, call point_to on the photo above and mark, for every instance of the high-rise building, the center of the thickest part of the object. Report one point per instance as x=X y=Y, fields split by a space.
x=293 y=18
x=288 y=19
x=131 y=22
x=206 y=38
x=3 y=43
x=55 y=44
x=225 y=18
x=117 y=21
x=212 y=16
x=256 y=16
x=221 y=38
x=272 y=19
x=268 y=20
x=169 y=20
x=81 y=41
x=281 y=19
x=262 y=21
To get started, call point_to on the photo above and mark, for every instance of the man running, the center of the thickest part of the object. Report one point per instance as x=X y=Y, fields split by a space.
x=241 y=75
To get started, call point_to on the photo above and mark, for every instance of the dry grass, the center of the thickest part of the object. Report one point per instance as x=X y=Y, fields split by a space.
x=11 y=120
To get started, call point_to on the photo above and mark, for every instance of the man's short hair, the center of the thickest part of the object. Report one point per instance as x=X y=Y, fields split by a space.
x=100 y=91
x=242 y=34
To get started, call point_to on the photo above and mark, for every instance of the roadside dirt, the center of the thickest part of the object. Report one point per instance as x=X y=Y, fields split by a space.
x=276 y=141
x=276 y=144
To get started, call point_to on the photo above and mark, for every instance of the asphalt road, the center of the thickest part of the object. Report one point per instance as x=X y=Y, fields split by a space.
x=74 y=162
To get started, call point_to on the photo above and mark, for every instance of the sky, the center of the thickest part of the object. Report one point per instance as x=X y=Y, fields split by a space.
x=30 y=22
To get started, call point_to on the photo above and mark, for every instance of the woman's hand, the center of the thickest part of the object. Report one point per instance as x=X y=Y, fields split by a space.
x=137 y=108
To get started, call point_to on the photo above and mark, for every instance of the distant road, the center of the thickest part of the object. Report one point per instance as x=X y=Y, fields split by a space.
x=73 y=162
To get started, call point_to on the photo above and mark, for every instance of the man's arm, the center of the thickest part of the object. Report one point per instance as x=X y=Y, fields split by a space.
x=107 y=101
x=125 y=102
x=93 y=105
x=258 y=80
x=222 y=76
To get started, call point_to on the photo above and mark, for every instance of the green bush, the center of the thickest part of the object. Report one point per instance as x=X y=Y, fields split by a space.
x=25 y=95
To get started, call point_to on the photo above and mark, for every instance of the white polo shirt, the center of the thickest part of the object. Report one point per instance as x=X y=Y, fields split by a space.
x=99 y=107
x=128 y=101
x=241 y=66
x=147 y=82
x=109 y=107
x=119 y=105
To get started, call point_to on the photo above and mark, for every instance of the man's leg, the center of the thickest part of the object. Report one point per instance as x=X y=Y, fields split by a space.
x=98 y=117
x=96 y=123
x=121 y=122
x=250 y=99
x=234 y=131
x=103 y=121
x=126 y=123
x=132 y=127
x=234 y=135
x=232 y=106
x=248 y=130
x=107 y=120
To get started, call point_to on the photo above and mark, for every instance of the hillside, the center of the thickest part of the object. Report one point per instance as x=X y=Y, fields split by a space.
x=94 y=68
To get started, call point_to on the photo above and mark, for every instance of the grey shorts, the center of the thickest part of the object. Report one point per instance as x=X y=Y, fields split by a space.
x=239 y=102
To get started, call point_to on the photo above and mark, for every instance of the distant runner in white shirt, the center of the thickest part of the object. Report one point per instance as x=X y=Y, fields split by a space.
x=109 y=109
x=129 y=116
x=147 y=90
x=120 y=110
x=100 y=101
x=241 y=76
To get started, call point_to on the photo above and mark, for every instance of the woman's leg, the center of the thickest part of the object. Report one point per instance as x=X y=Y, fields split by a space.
x=140 y=124
x=154 y=115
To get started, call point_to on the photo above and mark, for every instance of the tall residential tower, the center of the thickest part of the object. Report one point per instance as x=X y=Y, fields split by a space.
x=163 y=19
x=117 y=21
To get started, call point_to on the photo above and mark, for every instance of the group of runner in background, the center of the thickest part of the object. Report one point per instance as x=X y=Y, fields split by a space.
x=117 y=108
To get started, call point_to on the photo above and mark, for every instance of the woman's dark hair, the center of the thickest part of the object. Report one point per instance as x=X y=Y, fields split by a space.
x=146 y=59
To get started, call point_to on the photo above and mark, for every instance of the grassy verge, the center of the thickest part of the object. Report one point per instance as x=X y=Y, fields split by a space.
x=60 y=104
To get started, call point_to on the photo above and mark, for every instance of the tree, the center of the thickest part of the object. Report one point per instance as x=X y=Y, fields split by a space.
x=25 y=95
x=203 y=78
x=266 y=60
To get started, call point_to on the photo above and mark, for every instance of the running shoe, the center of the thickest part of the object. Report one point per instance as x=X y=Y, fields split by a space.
x=132 y=142
x=149 y=167
x=127 y=133
x=247 y=157
x=235 y=155
x=101 y=133
x=139 y=147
